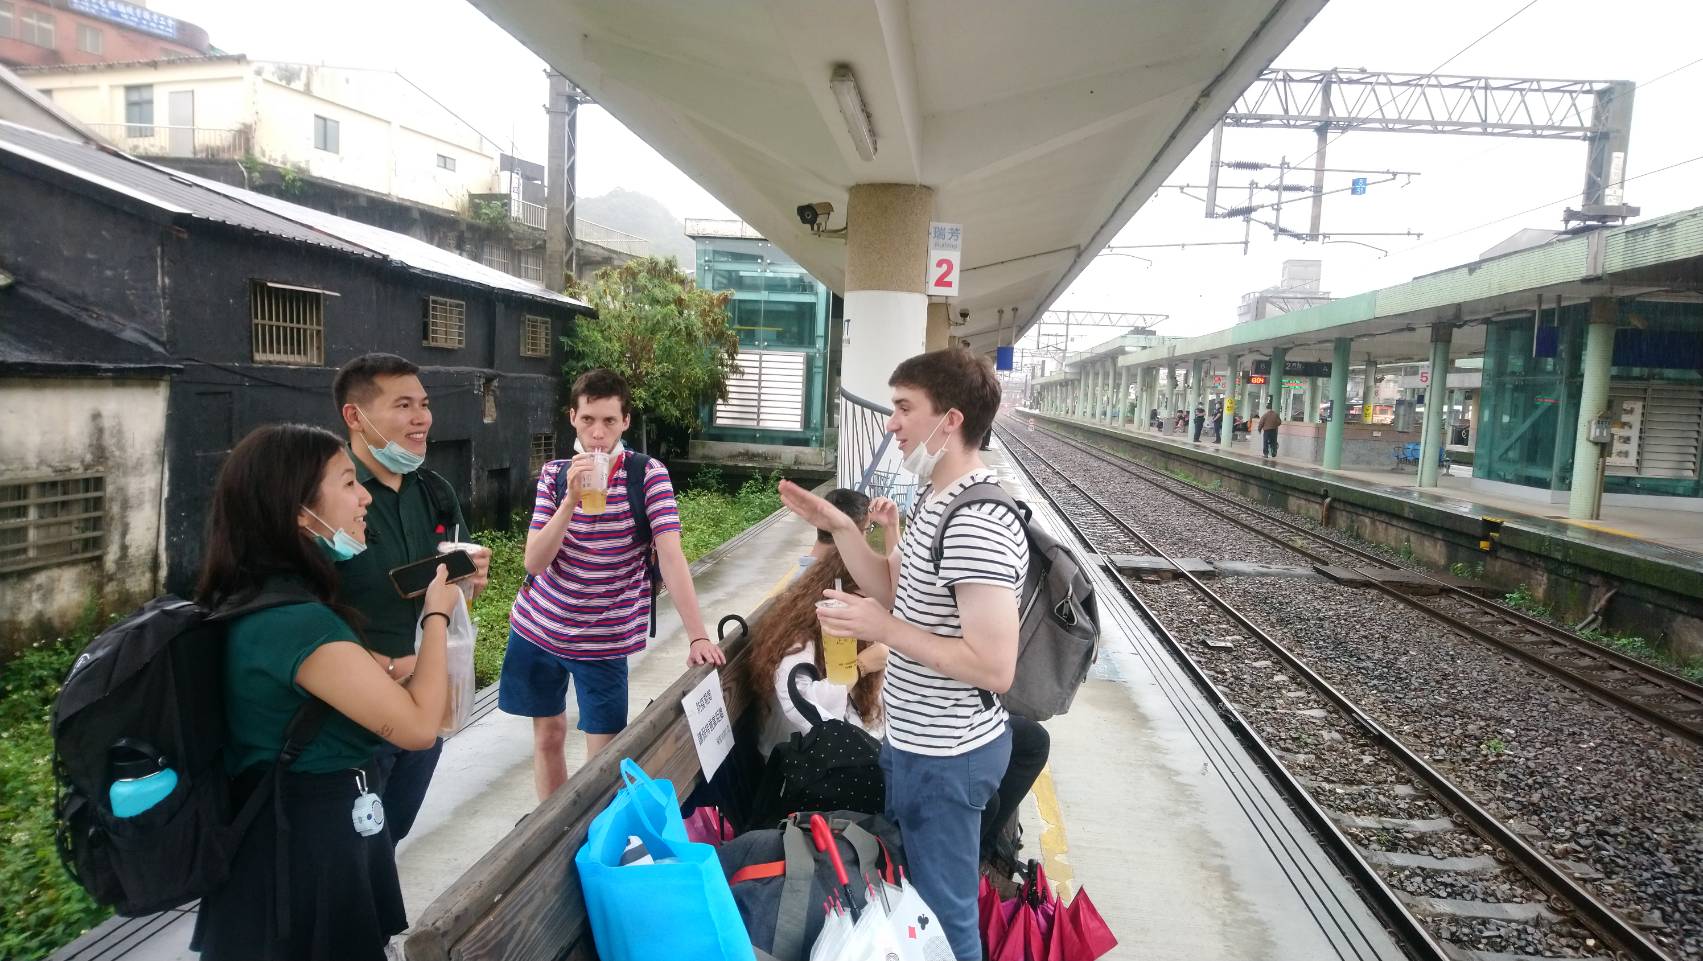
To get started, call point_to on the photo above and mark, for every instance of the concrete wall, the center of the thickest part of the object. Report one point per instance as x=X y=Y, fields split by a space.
x=62 y=426
x=390 y=132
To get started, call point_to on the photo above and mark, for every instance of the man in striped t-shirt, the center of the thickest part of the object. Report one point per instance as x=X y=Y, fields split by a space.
x=586 y=602
x=951 y=629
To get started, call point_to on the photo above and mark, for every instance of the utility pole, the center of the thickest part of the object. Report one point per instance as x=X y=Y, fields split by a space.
x=561 y=255
x=1319 y=160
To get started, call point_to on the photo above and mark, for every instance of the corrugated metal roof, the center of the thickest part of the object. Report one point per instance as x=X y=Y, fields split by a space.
x=162 y=189
x=185 y=195
x=399 y=248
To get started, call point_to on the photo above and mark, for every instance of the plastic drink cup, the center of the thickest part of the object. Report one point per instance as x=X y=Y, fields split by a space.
x=594 y=494
x=839 y=652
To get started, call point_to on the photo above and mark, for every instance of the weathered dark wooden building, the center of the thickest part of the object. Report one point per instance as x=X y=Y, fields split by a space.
x=255 y=303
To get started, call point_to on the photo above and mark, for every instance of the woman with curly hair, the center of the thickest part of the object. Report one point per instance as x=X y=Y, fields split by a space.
x=788 y=635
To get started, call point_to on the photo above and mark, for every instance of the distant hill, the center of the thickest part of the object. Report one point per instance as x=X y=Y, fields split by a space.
x=644 y=216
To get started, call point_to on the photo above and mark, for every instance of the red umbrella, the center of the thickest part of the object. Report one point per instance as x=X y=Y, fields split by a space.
x=987 y=904
x=1086 y=935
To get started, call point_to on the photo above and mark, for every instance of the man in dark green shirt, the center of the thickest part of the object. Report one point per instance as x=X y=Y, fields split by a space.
x=384 y=407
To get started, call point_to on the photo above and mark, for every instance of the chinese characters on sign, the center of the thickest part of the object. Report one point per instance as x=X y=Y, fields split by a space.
x=945 y=244
x=706 y=717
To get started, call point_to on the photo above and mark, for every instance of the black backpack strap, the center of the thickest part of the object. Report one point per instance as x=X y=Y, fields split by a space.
x=799 y=701
x=437 y=501
x=299 y=733
x=637 y=466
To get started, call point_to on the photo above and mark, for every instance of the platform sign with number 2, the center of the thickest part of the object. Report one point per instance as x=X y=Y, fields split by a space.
x=945 y=243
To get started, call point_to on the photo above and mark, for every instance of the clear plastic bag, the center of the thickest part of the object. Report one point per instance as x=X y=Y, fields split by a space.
x=459 y=651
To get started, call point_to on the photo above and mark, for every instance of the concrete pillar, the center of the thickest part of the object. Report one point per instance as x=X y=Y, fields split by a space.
x=1232 y=390
x=939 y=322
x=1081 y=392
x=1431 y=438
x=1566 y=411
x=886 y=309
x=1369 y=393
x=1310 y=397
x=1274 y=382
x=1192 y=400
x=1585 y=500
x=1338 y=403
x=1121 y=397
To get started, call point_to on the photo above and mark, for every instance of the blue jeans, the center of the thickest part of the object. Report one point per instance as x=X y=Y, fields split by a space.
x=406 y=775
x=937 y=803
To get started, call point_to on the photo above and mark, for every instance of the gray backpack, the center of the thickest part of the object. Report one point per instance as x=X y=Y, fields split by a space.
x=1058 y=629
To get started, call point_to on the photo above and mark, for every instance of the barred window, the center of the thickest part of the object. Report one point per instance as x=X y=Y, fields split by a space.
x=529 y=265
x=445 y=323
x=48 y=521
x=535 y=338
x=496 y=256
x=288 y=322
x=543 y=451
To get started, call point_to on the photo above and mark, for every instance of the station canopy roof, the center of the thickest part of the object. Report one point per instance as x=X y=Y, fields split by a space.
x=1042 y=127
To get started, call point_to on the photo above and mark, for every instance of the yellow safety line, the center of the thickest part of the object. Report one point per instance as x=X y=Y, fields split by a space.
x=779 y=585
x=1600 y=527
x=1055 y=846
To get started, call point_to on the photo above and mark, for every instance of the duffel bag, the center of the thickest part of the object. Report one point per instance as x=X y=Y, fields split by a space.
x=780 y=880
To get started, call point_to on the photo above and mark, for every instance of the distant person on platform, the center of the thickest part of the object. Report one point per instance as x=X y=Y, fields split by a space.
x=1199 y=422
x=1269 y=422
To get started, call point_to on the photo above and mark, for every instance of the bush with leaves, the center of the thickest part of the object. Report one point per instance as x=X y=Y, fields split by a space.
x=656 y=328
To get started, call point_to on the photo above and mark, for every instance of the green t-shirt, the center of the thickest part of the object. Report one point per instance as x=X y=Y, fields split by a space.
x=263 y=651
x=402 y=527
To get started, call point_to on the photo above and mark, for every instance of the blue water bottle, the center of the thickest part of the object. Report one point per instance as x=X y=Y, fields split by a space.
x=141 y=777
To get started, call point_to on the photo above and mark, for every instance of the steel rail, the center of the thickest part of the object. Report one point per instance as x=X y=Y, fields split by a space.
x=1647 y=707
x=1607 y=922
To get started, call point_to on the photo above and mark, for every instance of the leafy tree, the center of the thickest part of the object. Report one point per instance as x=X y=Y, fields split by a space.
x=656 y=328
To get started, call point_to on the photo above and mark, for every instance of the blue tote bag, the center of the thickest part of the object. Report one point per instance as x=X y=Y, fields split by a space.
x=677 y=908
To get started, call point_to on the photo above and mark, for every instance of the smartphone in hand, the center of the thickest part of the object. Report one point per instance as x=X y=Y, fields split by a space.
x=411 y=580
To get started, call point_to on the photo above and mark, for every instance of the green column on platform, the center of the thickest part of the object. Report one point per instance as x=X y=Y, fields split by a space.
x=1338 y=403
x=1369 y=392
x=1192 y=400
x=1274 y=381
x=1583 y=503
x=1311 y=399
x=1436 y=404
x=1232 y=395
x=1081 y=392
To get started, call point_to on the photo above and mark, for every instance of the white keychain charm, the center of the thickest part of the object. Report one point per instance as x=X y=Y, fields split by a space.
x=368 y=814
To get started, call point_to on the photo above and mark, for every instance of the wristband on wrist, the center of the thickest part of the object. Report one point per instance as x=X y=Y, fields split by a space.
x=431 y=614
x=704 y=639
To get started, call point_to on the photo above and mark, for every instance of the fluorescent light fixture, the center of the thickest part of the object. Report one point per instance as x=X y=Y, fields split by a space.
x=852 y=109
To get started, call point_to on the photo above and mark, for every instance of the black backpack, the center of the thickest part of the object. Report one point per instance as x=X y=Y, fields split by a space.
x=1058 y=631
x=157 y=678
x=835 y=766
x=636 y=465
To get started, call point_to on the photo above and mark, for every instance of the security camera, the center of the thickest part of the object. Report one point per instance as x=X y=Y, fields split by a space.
x=815 y=216
x=964 y=314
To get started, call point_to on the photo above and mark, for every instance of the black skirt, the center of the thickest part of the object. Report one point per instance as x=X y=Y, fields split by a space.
x=344 y=898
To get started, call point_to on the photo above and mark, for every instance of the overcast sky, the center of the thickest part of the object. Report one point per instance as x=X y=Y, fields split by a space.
x=1468 y=196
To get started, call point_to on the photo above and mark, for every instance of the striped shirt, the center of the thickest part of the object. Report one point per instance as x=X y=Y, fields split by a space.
x=928 y=712
x=593 y=602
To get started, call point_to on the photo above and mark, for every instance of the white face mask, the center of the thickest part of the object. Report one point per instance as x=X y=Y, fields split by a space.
x=919 y=461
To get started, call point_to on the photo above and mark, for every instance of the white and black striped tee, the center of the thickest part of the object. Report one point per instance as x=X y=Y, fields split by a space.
x=928 y=712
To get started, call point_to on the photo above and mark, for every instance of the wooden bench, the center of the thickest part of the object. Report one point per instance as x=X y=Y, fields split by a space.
x=522 y=899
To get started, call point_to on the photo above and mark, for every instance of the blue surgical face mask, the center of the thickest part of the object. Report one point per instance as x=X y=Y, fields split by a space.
x=341 y=545
x=392 y=455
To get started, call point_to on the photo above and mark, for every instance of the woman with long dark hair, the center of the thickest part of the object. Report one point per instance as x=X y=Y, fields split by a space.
x=285 y=507
x=788 y=635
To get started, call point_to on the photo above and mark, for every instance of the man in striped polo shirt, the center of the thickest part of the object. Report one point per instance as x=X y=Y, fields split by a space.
x=586 y=602
x=951 y=629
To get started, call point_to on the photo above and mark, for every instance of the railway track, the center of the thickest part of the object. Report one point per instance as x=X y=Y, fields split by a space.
x=1660 y=697
x=1395 y=822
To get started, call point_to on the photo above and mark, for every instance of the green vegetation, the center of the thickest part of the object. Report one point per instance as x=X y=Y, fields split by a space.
x=1470 y=571
x=1690 y=668
x=43 y=908
x=1493 y=746
x=668 y=338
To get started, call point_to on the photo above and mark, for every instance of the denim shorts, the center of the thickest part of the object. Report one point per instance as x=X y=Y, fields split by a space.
x=534 y=683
